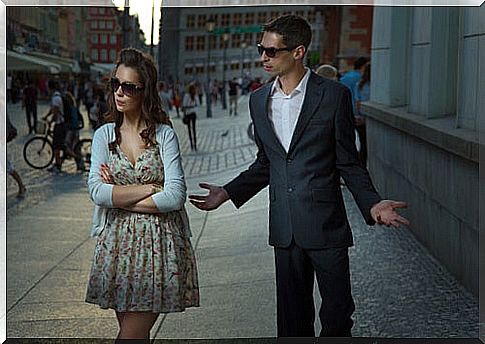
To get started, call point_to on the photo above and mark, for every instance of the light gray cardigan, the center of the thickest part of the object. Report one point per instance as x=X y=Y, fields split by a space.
x=171 y=198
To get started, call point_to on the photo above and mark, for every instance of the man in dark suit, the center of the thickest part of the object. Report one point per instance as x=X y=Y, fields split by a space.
x=305 y=137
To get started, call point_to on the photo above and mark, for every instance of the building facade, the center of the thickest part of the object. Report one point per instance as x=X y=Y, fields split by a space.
x=191 y=48
x=425 y=118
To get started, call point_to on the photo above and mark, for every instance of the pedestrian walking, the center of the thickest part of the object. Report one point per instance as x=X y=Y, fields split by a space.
x=12 y=134
x=362 y=94
x=189 y=108
x=176 y=99
x=305 y=138
x=165 y=97
x=29 y=103
x=74 y=123
x=56 y=114
x=143 y=262
x=352 y=78
x=233 y=92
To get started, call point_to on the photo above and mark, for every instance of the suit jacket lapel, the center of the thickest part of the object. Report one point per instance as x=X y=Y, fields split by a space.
x=268 y=133
x=313 y=96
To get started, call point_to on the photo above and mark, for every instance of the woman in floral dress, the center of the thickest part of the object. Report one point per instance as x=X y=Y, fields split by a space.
x=143 y=263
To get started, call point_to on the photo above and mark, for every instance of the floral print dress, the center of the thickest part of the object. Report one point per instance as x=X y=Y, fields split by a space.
x=142 y=262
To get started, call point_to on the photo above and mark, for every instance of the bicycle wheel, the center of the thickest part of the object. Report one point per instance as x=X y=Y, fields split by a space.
x=38 y=152
x=83 y=150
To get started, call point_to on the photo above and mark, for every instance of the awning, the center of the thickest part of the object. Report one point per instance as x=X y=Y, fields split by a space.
x=23 y=62
x=67 y=65
x=103 y=68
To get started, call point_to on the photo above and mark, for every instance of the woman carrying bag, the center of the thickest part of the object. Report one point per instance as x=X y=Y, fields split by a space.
x=189 y=108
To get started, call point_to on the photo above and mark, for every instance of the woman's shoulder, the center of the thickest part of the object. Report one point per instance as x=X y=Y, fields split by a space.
x=163 y=130
x=105 y=130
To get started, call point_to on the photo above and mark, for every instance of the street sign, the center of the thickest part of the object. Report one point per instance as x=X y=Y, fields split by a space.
x=237 y=29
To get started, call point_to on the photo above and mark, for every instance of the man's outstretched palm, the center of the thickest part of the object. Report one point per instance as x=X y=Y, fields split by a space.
x=217 y=195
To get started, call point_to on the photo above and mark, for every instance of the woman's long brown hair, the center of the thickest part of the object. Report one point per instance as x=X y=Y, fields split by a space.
x=151 y=108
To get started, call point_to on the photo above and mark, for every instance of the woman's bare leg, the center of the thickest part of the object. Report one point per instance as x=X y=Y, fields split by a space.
x=137 y=325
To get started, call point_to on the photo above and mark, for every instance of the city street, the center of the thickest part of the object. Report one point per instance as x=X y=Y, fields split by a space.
x=399 y=289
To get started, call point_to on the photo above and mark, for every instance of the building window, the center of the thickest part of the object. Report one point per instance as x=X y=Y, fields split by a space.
x=212 y=41
x=188 y=70
x=104 y=38
x=236 y=40
x=189 y=43
x=311 y=16
x=247 y=65
x=225 y=19
x=249 y=20
x=258 y=64
x=200 y=43
x=261 y=17
x=190 y=21
x=215 y=18
x=101 y=11
x=102 y=24
x=94 y=24
x=112 y=39
x=221 y=42
x=112 y=55
x=93 y=10
x=201 y=19
x=212 y=68
x=234 y=65
x=248 y=38
x=94 y=39
x=109 y=25
x=199 y=69
x=274 y=15
x=236 y=19
x=94 y=54
x=104 y=55
x=299 y=13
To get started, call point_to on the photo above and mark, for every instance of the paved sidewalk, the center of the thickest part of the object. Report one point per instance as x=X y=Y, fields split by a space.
x=399 y=289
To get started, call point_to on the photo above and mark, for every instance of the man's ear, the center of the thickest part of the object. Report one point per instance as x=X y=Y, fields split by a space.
x=299 y=52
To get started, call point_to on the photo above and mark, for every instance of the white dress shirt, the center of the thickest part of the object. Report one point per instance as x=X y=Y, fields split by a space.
x=284 y=110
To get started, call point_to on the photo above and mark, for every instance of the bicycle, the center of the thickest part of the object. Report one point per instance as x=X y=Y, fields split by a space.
x=39 y=153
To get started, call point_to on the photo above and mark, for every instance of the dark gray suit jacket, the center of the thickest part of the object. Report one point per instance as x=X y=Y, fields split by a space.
x=304 y=184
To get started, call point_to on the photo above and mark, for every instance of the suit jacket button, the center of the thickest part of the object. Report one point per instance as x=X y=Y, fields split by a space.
x=290 y=189
x=289 y=160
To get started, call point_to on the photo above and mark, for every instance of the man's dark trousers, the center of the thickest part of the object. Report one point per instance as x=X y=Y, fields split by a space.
x=295 y=270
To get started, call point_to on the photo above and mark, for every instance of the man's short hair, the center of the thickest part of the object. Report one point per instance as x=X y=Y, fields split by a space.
x=295 y=30
x=360 y=62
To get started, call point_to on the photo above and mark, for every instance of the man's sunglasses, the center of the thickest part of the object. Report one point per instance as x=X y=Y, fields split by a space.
x=127 y=88
x=271 y=51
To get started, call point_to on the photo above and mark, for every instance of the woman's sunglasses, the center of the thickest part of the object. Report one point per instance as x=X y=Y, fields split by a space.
x=127 y=88
x=271 y=51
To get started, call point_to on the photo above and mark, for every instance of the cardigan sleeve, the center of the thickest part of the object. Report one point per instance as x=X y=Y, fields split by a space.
x=100 y=192
x=173 y=195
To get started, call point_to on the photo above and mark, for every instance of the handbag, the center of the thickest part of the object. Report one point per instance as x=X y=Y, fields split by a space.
x=185 y=119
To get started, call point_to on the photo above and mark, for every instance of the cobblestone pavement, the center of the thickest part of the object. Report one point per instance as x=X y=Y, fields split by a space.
x=399 y=289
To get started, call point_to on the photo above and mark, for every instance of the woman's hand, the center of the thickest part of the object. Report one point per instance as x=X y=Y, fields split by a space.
x=106 y=175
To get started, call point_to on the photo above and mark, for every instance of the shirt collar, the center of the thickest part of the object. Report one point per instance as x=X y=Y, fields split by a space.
x=300 y=88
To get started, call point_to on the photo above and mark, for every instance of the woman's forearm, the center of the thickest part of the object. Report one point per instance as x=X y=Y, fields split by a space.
x=128 y=195
x=146 y=206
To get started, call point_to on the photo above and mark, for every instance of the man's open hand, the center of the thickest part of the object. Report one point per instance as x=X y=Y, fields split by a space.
x=217 y=195
x=384 y=213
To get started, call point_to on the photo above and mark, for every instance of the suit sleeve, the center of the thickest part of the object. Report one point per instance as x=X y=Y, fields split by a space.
x=242 y=188
x=355 y=175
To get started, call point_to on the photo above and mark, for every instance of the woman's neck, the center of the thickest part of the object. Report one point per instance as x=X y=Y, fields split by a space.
x=133 y=121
